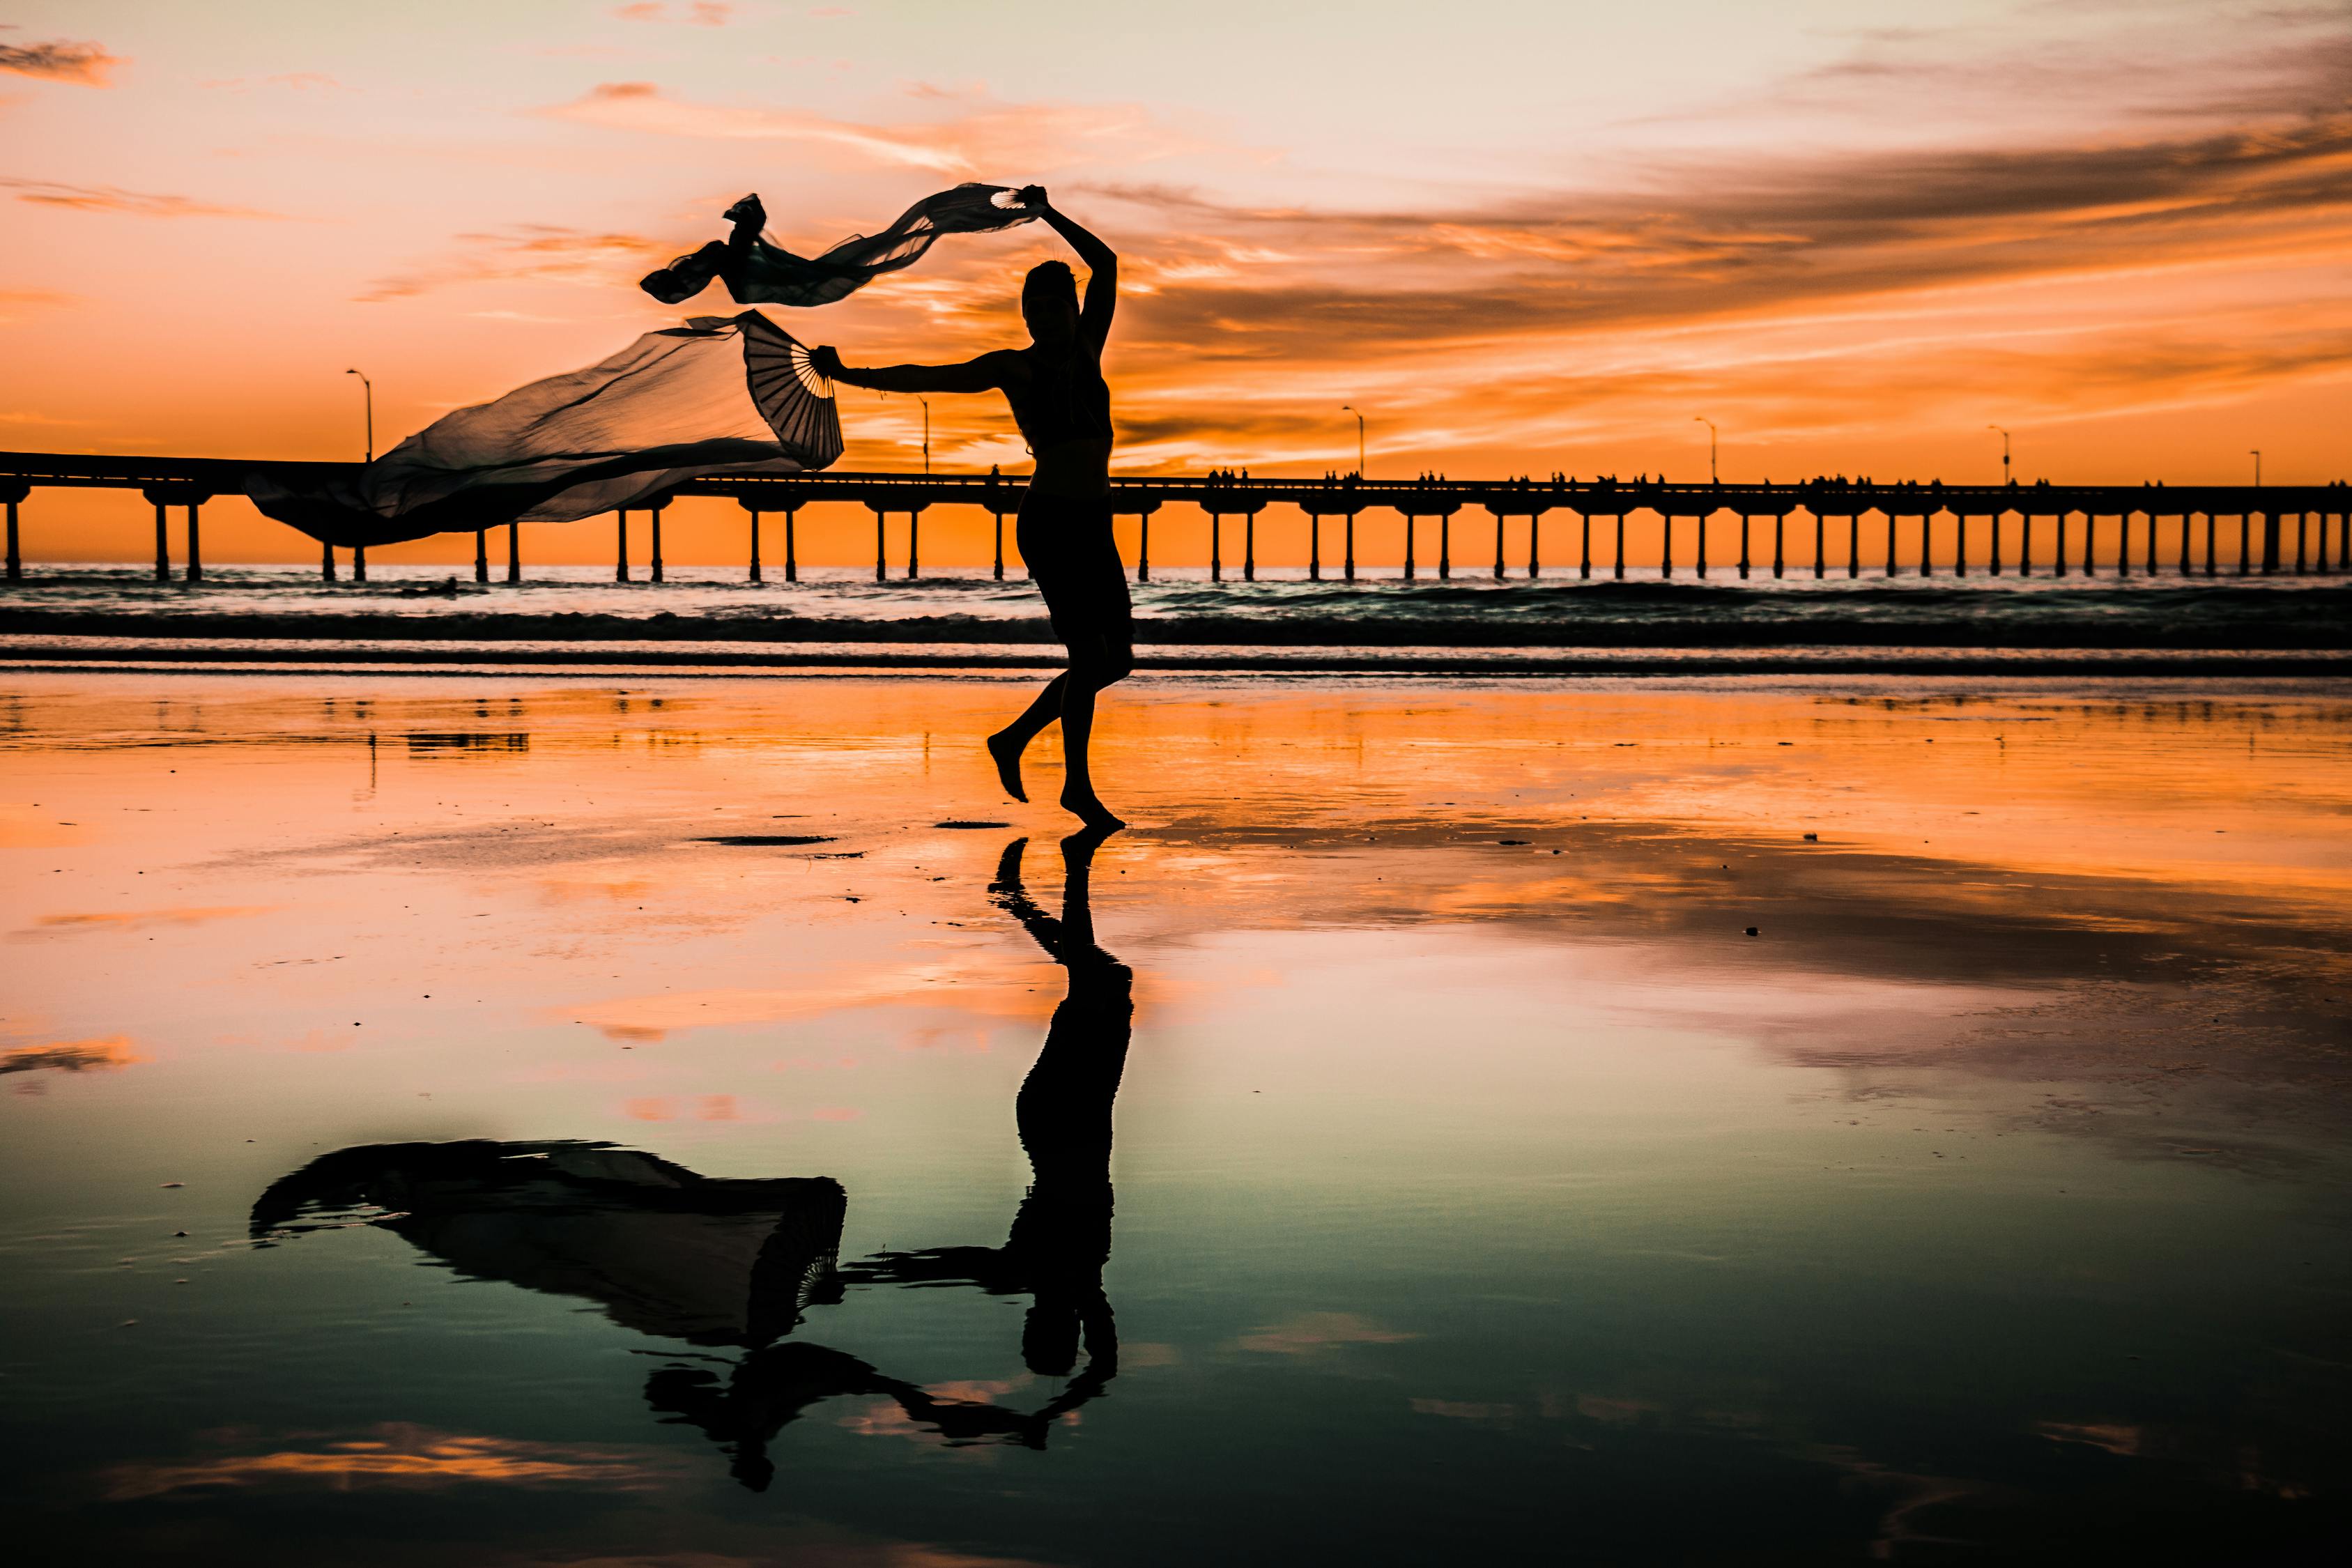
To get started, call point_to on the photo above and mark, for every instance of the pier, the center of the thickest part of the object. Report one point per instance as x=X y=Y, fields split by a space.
x=2014 y=530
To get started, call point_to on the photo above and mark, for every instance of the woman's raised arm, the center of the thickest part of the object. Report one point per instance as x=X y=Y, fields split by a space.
x=1102 y=264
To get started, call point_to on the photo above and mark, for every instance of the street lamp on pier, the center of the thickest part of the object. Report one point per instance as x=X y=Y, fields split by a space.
x=367 y=391
x=926 y=431
x=2004 y=452
x=1347 y=409
x=1703 y=419
x=2255 y=453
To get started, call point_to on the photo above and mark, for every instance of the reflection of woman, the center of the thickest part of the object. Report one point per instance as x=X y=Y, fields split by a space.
x=718 y=1262
x=1059 y=1242
x=1061 y=1234
x=1062 y=406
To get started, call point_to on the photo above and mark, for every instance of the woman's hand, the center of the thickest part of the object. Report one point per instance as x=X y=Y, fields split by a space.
x=1033 y=196
x=826 y=363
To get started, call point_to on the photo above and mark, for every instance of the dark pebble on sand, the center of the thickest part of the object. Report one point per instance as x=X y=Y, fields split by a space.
x=1510 y=841
x=960 y=823
x=1812 y=838
x=175 y=1184
x=1751 y=931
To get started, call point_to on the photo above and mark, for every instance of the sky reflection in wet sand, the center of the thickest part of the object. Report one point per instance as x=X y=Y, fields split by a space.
x=1477 y=1177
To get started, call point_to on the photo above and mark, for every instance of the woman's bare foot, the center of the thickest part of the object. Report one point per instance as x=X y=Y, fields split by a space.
x=1088 y=808
x=1007 y=752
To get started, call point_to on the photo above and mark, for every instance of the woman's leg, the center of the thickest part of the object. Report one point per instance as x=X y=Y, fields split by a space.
x=1007 y=745
x=1090 y=670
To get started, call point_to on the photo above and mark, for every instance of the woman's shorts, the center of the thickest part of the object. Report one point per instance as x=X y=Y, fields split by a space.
x=1073 y=559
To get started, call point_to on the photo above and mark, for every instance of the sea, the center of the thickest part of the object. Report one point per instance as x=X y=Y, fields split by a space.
x=705 y=616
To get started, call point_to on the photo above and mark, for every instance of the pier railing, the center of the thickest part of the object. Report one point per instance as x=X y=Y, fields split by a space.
x=1988 y=530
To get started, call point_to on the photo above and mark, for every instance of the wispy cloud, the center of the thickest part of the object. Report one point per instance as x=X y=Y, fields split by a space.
x=988 y=138
x=109 y=1055
x=112 y=199
x=16 y=304
x=549 y=252
x=402 y=1458
x=86 y=65
x=694 y=13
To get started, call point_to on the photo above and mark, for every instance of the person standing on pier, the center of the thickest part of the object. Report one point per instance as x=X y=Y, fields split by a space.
x=1062 y=404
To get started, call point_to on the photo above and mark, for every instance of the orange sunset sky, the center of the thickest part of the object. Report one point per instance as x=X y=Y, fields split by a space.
x=1521 y=237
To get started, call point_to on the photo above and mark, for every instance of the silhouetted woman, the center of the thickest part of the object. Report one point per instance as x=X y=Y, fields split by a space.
x=1062 y=406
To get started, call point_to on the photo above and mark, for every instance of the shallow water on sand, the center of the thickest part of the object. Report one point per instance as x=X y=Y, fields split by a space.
x=596 y=1115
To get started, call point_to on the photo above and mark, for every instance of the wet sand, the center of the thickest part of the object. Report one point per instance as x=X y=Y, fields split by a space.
x=1478 y=1177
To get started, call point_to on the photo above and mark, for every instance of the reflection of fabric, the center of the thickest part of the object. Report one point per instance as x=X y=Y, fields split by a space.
x=730 y=395
x=769 y=275
x=661 y=1249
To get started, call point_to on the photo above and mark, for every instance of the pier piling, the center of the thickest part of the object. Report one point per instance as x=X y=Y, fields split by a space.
x=481 y=555
x=514 y=552
x=621 y=546
x=15 y=495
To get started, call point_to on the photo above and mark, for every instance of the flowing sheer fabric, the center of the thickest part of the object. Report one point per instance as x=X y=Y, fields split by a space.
x=766 y=274
x=719 y=395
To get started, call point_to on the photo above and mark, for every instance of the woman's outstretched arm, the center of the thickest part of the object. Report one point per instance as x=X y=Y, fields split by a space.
x=1102 y=264
x=982 y=375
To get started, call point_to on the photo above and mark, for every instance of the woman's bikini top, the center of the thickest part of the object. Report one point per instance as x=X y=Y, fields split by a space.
x=1066 y=399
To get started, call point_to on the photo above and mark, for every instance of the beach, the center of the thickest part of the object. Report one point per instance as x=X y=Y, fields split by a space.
x=1810 y=1116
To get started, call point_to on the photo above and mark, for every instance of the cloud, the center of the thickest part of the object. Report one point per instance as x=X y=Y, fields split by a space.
x=695 y=13
x=541 y=252
x=111 y=1054
x=990 y=138
x=399 y=1457
x=134 y=919
x=84 y=64
x=112 y=199
x=1310 y=1334
x=16 y=304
